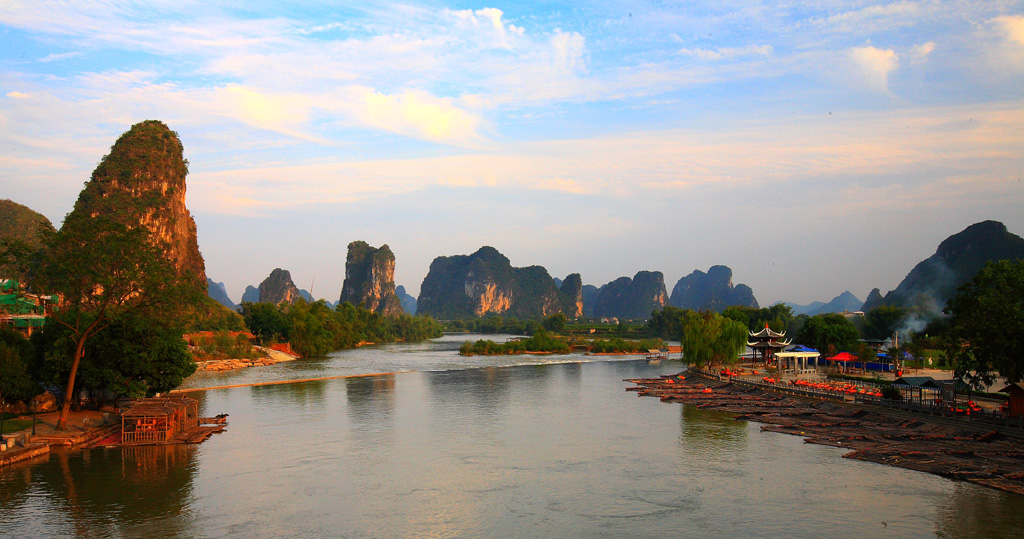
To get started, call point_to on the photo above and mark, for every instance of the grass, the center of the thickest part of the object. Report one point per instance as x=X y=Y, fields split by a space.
x=16 y=425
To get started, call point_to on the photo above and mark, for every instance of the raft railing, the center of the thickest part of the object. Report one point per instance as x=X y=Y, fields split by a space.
x=993 y=417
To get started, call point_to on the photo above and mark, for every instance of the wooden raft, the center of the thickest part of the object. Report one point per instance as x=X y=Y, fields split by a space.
x=923 y=444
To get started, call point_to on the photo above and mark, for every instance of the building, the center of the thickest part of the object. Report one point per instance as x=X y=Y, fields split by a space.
x=20 y=311
x=157 y=420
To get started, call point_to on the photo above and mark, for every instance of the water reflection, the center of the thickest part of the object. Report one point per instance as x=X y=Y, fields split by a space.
x=969 y=509
x=83 y=493
x=305 y=395
x=371 y=399
x=711 y=433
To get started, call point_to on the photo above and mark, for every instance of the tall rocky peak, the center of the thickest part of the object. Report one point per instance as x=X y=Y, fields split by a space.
x=571 y=290
x=957 y=260
x=633 y=299
x=278 y=288
x=141 y=182
x=465 y=286
x=20 y=223
x=370 y=279
x=874 y=300
x=711 y=291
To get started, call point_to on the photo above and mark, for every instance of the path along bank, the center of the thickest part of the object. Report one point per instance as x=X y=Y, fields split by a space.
x=985 y=456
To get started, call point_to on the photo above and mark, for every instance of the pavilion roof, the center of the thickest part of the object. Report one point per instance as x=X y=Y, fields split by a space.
x=157 y=406
x=768 y=333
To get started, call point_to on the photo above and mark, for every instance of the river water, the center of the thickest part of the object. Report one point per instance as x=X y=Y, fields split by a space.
x=481 y=447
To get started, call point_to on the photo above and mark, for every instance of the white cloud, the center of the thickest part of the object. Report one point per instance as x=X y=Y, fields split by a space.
x=875 y=65
x=918 y=53
x=1012 y=27
x=415 y=113
x=728 y=52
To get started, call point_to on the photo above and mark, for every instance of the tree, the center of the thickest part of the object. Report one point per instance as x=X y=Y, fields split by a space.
x=102 y=269
x=987 y=325
x=829 y=333
x=709 y=337
x=880 y=322
x=556 y=323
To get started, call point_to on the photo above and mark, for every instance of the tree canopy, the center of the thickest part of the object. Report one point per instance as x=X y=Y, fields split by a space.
x=709 y=337
x=986 y=333
x=103 y=270
x=829 y=333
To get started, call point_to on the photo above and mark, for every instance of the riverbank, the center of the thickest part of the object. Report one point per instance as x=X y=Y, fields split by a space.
x=934 y=445
x=84 y=427
x=272 y=357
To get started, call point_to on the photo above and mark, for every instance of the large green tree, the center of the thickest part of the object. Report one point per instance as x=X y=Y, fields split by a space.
x=102 y=270
x=709 y=337
x=829 y=333
x=986 y=334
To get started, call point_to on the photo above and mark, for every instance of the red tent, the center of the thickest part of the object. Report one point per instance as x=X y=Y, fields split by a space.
x=842 y=356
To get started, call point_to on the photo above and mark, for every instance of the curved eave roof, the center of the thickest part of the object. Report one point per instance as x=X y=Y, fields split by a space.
x=767 y=333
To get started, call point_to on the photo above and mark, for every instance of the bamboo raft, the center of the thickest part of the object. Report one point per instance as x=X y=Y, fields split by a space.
x=987 y=458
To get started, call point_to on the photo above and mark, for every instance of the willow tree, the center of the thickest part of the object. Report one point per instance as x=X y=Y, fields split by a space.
x=103 y=270
x=709 y=338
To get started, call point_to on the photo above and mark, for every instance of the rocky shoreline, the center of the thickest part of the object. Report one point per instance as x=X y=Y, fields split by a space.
x=272 y=357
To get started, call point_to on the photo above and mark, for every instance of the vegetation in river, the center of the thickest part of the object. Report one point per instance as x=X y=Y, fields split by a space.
x=314 y=329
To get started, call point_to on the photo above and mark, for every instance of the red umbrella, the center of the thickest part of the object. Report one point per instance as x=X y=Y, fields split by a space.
x=842 y=356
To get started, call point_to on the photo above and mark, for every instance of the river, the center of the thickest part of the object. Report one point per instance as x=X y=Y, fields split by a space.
x=480 y=447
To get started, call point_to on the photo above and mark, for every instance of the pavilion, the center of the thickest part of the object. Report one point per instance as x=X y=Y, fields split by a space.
x=766 y=343
x=800 y=354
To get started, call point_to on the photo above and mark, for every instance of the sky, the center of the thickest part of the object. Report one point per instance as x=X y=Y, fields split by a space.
x=811 y=146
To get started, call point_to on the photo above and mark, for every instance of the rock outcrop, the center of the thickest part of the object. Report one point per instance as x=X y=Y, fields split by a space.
x=141 y=182
x=466 y=286
x=278 y=288
x=633 y=299
x=571 y=290
x=20 y=223
x=218 y=293
x=711 y=291
x=934 y=281
x=370 y=279
x=874 y=300
x=408 y=302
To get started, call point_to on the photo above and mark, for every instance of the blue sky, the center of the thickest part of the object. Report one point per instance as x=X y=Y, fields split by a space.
x=813 y=147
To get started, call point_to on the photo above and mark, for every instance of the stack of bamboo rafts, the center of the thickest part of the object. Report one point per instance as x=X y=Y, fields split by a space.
x=935 y=445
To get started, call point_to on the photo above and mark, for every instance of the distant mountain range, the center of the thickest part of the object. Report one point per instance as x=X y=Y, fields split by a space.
x=845 y=302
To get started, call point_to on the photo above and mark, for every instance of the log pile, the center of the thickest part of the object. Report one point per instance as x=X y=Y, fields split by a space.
x=986 y=457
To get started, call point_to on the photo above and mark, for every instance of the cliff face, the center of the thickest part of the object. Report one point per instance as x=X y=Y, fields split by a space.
x=571 y=291
x=633 y=299
x=20 y=223
x=466 y=286
x=370 y=279
x=141 y=182
x=711 y=291
x=278 y=288
x=958 y=259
